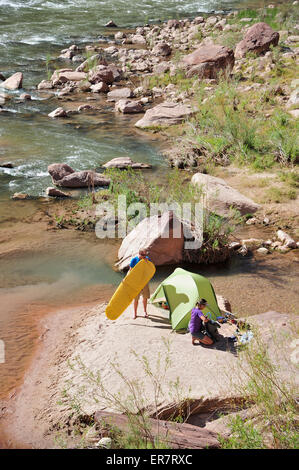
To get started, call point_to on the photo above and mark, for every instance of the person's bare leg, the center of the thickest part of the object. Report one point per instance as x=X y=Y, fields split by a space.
x=145 y=307
x=135 y=308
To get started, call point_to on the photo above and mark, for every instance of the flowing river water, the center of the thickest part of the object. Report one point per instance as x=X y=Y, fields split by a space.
x=42 y=270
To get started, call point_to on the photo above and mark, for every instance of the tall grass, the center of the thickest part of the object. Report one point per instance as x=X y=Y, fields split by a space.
x=272 y=396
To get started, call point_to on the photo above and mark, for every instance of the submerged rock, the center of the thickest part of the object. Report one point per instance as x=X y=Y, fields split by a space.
x=221 y=197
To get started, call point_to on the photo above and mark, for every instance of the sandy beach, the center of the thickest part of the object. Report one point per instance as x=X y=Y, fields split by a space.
x=80 y=340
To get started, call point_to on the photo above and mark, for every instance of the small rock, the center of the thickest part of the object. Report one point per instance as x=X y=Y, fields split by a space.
x=119 y=93
x=234 y=245
x=262 y=251
x=161 y=49
x=20 y=196
x=104 y=443
x=138 y=39
x=128 y=106
x=294 y=99
x=283 y=249
x=45 y=85
x=119 y=35
x=110 y=24
x=6 y=165
x=288 y=241
x=86 y=107
x=100 y=87
x=252 y=243
x=125 y=162
x=53 y=192
x=252 y=221
x=294 y=113
x=58 y=113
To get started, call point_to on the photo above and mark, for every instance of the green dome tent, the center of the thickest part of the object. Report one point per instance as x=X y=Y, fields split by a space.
x=181 y=290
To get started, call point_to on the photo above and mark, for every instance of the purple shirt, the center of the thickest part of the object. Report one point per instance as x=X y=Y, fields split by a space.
x=195 y=323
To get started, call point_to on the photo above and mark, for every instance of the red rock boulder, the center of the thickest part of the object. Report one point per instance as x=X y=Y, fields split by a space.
x=258 y=39
x=209 y=61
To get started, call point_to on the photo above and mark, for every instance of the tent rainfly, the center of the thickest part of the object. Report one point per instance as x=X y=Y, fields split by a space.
x=181 y=290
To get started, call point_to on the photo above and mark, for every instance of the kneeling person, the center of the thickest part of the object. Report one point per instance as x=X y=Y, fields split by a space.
x=201 y=328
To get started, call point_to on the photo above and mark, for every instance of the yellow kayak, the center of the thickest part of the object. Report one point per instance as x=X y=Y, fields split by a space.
x=129 y=288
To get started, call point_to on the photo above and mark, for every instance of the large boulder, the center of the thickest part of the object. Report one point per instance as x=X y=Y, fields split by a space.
x=125 y=162
x=14 y=82
x=221 y=197
x=162 y=236
x=63 y=175
x=129 y=107
x=119 y=94
x=165 y=114
x=258 y=39
x=208 y=61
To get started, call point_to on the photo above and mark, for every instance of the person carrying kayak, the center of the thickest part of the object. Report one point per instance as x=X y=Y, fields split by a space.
x=202 y=329
x=145 y=292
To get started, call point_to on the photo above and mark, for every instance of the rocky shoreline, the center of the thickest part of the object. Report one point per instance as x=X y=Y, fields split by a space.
x=178 y=53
